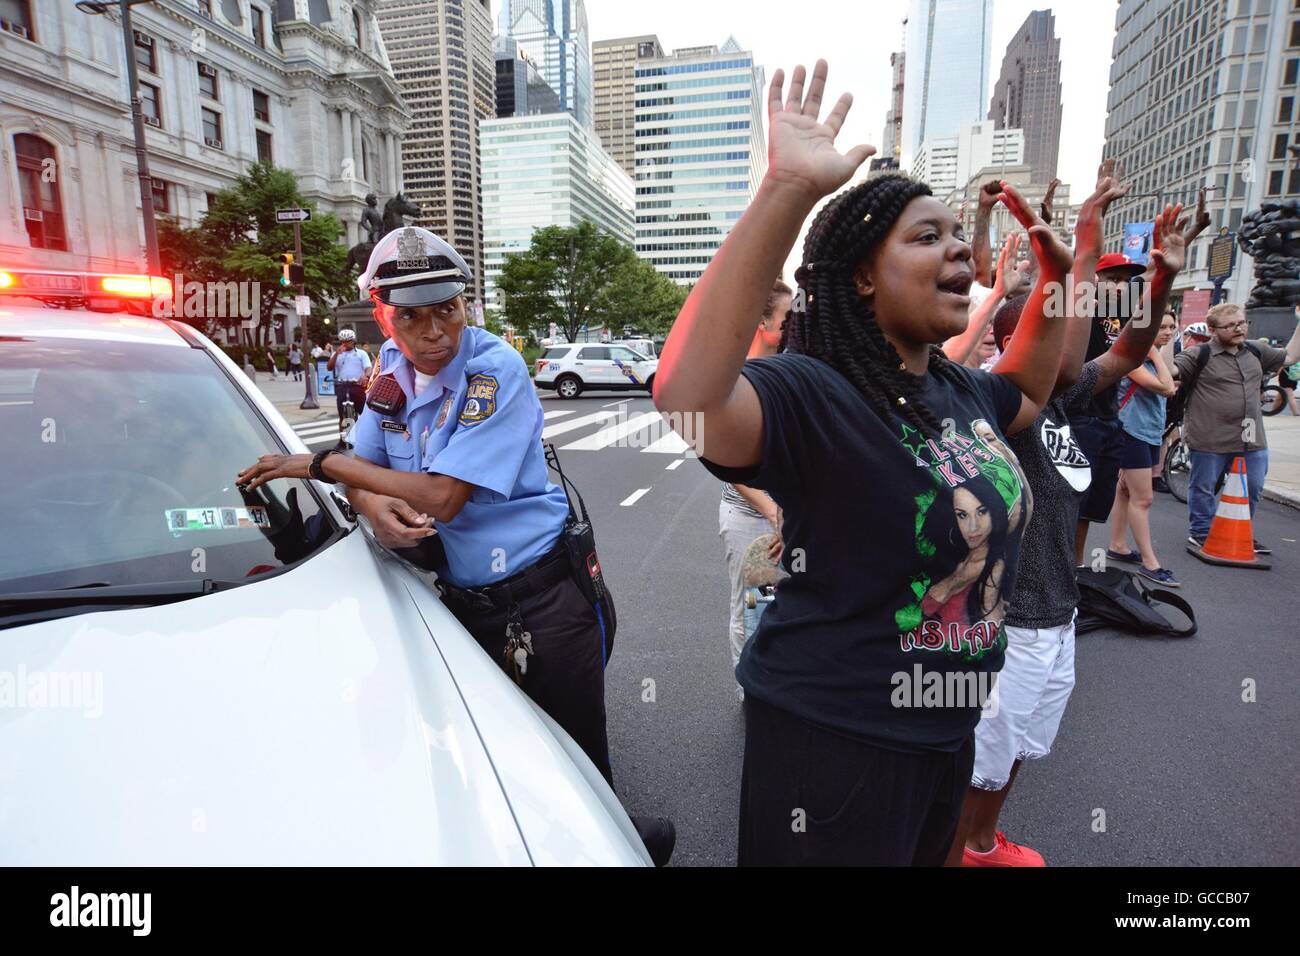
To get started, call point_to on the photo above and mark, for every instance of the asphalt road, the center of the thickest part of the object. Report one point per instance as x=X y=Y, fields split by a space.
x=1156 y=735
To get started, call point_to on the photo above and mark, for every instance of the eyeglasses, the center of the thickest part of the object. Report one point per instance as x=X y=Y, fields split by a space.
x=1232 y=325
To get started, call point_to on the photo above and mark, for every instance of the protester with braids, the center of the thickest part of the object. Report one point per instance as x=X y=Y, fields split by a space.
x=859 y=431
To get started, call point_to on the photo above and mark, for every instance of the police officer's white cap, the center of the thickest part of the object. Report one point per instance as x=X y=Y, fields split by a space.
x=413 y=267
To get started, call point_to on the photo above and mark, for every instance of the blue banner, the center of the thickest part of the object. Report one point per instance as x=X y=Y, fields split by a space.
x=324 y=378
x=1137 y=241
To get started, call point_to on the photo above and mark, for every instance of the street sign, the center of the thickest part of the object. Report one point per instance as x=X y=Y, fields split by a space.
x=293 y=215
x=1223 y=256
x=302 y=304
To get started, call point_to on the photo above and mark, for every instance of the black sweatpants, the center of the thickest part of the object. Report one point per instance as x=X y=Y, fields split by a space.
x=566 y=673
x=812 y=797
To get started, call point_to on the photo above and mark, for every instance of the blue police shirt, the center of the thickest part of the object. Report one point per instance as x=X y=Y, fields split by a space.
x=350 y=365
x=478 y=420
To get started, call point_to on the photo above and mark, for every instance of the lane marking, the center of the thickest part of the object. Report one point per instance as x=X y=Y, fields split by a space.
x=616 y=404
x=673 y=465
x=559 y=413
x=633 y=498
x=573 y=423
x=671 y=444
x=318 y=429
x=608 y=436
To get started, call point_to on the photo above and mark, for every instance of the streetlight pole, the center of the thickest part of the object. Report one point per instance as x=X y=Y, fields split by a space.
x=154 y=261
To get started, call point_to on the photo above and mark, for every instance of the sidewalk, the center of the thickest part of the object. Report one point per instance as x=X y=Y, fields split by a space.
x=1283 y=483
x=287 y=395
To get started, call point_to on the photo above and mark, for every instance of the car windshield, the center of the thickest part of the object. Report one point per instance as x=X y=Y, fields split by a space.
x=121 y=460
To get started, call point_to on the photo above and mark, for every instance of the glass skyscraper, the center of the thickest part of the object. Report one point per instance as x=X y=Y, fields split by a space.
x=700 y=153
x=553 y=33
x=946 y=81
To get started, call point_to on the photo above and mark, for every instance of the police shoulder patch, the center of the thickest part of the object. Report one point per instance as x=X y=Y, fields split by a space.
x=480 y=399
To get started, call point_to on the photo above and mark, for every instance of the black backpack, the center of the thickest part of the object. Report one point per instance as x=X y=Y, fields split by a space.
x=1176 y=406
x=1115 y=598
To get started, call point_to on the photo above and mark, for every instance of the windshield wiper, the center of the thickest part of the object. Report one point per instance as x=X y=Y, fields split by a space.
x=157 y=592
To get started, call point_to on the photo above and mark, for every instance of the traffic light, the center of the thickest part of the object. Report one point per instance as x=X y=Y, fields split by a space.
x=286 y=268
x=297 y=273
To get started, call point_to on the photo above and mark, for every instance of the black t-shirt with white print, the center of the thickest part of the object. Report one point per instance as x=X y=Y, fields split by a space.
x=901 y=550
x=1058 y=473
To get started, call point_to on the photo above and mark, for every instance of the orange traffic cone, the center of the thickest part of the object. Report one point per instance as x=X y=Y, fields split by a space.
x=1231 y=541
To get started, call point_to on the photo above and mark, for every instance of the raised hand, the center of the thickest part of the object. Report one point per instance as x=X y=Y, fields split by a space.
x=1012 y=275
x=988 y=196
x=801 y=148
x=1046 y=209
x=1201 y=222
x=1169 y=244
x=1087 y=230
x=1054 y=260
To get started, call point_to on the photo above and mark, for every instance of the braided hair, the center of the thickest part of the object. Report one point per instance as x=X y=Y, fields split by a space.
x=835 y=324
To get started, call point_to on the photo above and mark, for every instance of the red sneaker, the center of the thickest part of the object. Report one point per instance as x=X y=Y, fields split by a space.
x=1004 y=853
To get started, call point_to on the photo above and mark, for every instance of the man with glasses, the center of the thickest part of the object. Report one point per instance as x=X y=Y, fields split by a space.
x=1222 y=419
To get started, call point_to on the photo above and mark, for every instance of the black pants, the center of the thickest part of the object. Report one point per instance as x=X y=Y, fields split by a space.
x=566 y=673
x=349 y=391
x=811 y=797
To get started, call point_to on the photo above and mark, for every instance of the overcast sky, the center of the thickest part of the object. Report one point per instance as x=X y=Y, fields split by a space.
x=856 y=39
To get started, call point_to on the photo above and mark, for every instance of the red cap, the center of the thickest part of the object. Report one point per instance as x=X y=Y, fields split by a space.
x=1117 y=260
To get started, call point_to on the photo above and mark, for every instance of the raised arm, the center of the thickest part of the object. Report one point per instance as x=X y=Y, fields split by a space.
x=1033 y=356
x=1139 y=334
x=1010 y=277
x=699 y=370
x=981 y=252
x=1087 y=250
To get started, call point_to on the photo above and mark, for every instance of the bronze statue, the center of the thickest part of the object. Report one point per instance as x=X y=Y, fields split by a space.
x=376 y=227
x=1271 y=235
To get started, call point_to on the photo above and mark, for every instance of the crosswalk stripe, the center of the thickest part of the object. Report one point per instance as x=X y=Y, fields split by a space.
x=560 y=413
x=633 y=498
x=671 y=444
x=607 y=436
x=574 y=423
x=674 y=465
x=318 y=429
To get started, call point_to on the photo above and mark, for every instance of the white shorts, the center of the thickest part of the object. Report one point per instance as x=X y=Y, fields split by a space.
x=1032 y=691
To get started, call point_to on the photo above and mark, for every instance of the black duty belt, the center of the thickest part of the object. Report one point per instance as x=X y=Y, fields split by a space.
x=531 y=581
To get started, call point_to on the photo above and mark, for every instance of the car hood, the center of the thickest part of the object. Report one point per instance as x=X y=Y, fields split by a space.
x=305 y=719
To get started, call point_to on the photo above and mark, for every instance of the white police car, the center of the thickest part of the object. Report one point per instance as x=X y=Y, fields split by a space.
x=194 y=675
x=578 y=366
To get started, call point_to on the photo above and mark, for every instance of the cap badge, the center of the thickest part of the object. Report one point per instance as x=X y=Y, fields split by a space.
x=410 y=251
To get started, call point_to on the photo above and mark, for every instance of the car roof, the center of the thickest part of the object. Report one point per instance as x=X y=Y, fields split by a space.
x=86 y=325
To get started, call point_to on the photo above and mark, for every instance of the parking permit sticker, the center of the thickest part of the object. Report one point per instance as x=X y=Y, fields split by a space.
x=216 y=519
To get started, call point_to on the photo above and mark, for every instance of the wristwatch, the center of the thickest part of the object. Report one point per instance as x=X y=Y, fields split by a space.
x=314 y=469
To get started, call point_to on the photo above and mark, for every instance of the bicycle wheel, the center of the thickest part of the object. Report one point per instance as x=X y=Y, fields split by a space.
x=1272 y=400
x=1178 y=469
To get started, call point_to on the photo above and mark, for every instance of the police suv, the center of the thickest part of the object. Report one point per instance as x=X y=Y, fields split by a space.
x=578 y=366
x=192 y=674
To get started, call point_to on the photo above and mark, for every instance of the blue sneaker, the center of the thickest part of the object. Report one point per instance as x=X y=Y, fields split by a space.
x=1160 y=576
x=1132 y=557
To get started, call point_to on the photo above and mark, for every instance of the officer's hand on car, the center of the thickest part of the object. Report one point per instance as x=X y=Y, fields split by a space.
x=396 y=523
x=269 y=467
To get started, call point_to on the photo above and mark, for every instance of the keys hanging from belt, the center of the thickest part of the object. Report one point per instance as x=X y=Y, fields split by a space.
x=519 y=646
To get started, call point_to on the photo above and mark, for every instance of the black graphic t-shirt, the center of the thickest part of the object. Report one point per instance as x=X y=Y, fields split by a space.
x=1058 y=473
x=901 y=550
x=1103 y=334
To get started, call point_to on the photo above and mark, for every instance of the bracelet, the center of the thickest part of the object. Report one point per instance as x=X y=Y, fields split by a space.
x=314 y=469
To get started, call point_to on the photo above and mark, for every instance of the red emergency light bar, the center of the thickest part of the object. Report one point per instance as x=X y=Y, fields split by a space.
x=97 y=291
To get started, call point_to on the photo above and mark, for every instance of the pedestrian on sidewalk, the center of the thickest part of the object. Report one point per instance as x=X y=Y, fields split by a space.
x=295 y=361
x=745 y=513
x=858 y=430
x=1144 y=392
x=1223 y=418
x=270 y=363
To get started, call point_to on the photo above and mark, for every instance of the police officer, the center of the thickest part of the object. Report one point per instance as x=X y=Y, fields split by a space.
x=458 y=454
x=350 y=366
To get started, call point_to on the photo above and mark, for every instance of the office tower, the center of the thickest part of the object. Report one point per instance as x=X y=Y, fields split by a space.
x=553 y=34
x=442 y=55
x=891 y=141
x=947 y=69
x=1204 y=94
x=521 y=91
x=546 y=171
x=1027 y=94
x=700 y=153
x=614 y=71
x=947 y=162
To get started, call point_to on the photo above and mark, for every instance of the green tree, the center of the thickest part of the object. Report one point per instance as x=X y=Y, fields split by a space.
x=238 y=240
x=575 y=276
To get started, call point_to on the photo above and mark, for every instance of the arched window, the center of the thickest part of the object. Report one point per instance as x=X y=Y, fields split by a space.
x=38 y=186
x=356 y=26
